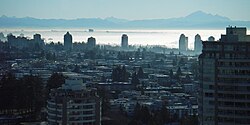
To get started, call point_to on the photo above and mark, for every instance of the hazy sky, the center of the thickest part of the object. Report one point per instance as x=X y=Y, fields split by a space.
x=127 y=9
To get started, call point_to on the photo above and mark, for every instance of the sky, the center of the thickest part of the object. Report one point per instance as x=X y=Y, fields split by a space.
x=126 y=9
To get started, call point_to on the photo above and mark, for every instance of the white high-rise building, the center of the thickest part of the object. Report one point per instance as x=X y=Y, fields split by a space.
x=124 y=43
x=91 y=42
x=74 y=104
x=183 y=43
x=68 y=41
x=197 y=44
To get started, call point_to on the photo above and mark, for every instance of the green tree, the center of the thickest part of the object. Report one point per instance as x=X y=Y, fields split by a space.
x=120 y=74
x=104 y=95
x=8 y=89
x=181 y=62
x=135 y=81
x=140 y=73
x=141 y=114
x=124 y=74
x=165 y=115
x=174 y=62
x=115 y=74
x=178 y=72
x=195 y=69
x=119 y=56
x=34 y=93
x=146 y=116
x=91 y=54
x=56 y=80
x=137 y=54
x=77 y=69
x=189 y=120
x=21 y=95
x=135 y=122
x=188 y=78
x=171 y=74
x=152 y=121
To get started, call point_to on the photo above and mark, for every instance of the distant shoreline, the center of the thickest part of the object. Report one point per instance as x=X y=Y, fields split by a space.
x=144 y=37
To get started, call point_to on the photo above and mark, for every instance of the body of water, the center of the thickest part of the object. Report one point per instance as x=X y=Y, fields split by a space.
x=168 y=38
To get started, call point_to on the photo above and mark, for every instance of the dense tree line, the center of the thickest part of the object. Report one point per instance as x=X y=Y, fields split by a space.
x=143 y=116
x=26 y=96
x=189 y=120
x=140 y=73
x=123 y=56
x=21 y=95
x=135 y=79
x=120 y=74
x=177 y=75
x=56 y=80
x=104 y=95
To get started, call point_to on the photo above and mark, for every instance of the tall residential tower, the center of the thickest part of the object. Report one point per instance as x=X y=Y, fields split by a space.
x=91 y=42
x=225 y=79
x=197 y=44
x=68 y=41
x=124 y=43
x=183 y=43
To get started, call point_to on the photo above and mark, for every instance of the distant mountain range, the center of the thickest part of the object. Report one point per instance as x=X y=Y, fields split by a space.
x=196 y=20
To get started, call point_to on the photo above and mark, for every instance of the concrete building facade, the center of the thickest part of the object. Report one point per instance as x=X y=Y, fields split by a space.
x=225 y=79
x=74 y=104
x=21 y=42
x=197 y=44
x=38 y=40
x=91 y=42
x=68 y=41
x=124 y=43
x=183 y=43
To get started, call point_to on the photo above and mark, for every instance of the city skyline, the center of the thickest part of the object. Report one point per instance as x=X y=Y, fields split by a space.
x=133 y=62
x=163 y=9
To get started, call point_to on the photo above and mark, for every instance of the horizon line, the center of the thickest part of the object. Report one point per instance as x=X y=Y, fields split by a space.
x=104 y=18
